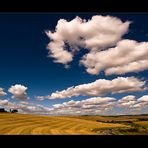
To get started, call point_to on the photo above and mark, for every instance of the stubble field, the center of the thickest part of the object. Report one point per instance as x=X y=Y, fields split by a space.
x=21 y=124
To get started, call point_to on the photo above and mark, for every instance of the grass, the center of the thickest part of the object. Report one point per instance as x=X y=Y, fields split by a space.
x=21 y=124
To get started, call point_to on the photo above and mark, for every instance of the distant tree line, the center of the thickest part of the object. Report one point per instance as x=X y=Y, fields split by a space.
x=2 y=110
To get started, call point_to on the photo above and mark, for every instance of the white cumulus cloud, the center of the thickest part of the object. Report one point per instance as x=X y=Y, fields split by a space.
x=2 y=93
x=101 y=106
x=93 y=105
x=25 y=107
x=90 y=106
x=143 y=98
x=100 y=87
x=127 y=98
x=93 y=34
x=3 y=102
x=19 y=92
x=127 y=101
x=102 y=37
x=141 y=102
x=127 y=56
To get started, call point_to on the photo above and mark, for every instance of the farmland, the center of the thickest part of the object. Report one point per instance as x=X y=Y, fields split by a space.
x=21 y=124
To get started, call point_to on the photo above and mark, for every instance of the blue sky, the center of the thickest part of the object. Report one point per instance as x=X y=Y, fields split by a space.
x=24 y=55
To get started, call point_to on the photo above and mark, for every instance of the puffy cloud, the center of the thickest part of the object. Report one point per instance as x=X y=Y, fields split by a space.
x=97 y=35
x=91 y=101
x=90 y=106
x=127 y=98
x=143 y=99
x=127 y=56
x=127 y=101
x=3 y=102
x=2 y=93
x=131 y=102
x=40 y=98
x=94 y=34
x=33 y=108
x=98 y=100
x=100 y=87
x=141 y=102
x=19 y=92
x=25 y=107
x=6 y=103
x=101 y=105
x=126 y=104
x=137 y=66
x=93 y=105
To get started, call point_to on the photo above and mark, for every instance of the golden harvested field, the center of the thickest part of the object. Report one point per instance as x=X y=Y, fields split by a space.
x=142 y=123
x=106 y=118
x=20 y=124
